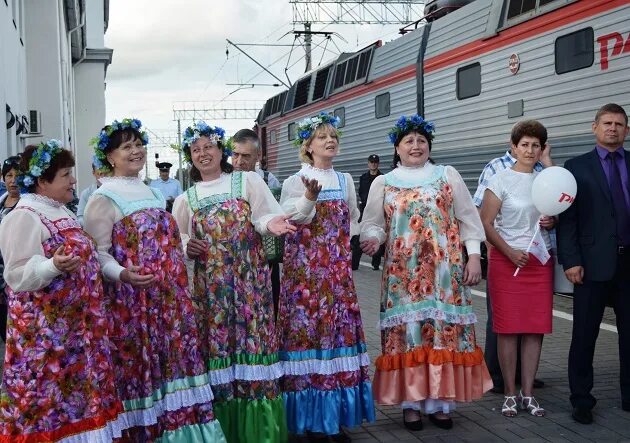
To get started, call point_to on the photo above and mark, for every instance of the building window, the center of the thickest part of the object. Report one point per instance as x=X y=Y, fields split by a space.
x=273 y=137
x=381 y=105
x=469 y=81
x=292 y=131
x=341 y=113
x=575 y=51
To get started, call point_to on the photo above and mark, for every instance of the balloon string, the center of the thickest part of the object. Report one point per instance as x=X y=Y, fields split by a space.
x=531 y=242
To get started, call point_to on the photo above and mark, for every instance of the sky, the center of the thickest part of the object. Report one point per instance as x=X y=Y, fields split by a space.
x=168 y=52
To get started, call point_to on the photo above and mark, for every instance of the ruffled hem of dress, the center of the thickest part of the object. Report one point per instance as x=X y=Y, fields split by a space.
x=326 y=367
x=246 y=372
x=246 y=420
x=147 y=415
x=416 y=315
x=91 y=430
x=325 y=411
x=200 y=432
x=437 y=374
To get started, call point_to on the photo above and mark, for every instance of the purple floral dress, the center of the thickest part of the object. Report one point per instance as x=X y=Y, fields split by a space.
x=58 y=379
x=232 y=294
x=160 y=374
x=326 y=383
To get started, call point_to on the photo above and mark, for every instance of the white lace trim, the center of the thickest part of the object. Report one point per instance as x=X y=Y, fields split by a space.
x=330 y=170
x=43 y=199
x=120 y=178
x=171 y=402
x=246 y=372
x=425 y=314
x=106 y=434
x=326 y=367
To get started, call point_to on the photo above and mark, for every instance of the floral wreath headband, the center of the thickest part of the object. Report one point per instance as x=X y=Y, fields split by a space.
x=405 y=125
x=100 y=143
x=202 y=129
x=39 y=162
x=306 y=128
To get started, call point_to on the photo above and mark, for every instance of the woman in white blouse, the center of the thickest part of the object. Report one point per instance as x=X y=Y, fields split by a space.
x=326 y=383
x=522 y=303
x=221 y=219
x=160 y=374
x=58 y=377
x=424 y=215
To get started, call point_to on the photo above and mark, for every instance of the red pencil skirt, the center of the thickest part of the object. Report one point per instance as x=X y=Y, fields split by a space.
x=521 y=304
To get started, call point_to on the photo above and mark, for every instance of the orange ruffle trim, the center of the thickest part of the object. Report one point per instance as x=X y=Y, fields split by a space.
x=430 y=373
x=426 y=354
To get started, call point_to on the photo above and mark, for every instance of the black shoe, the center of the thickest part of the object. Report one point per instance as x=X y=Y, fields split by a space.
x=625 y=405
x=375 y=268
x=355 y=269
x=413 y=425
x=538 y=383
x=342 y=437
x=442 y=423
x=581 y=415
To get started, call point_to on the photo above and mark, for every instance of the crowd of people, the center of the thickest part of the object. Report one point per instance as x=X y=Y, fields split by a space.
x=108 y=337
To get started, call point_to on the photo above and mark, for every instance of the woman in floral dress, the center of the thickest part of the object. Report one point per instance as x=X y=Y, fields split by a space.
x=424 y=214
x=160 y=374
x=326 y=383
x=221 y=219
x=58 y=378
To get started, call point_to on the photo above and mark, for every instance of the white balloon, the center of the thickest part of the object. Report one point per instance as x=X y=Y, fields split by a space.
x=553 y=190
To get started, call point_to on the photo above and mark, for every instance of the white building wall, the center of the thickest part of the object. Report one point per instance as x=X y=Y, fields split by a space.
x=37 y=72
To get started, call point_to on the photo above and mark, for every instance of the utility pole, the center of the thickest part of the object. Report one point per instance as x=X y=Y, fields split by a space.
x=307 y=45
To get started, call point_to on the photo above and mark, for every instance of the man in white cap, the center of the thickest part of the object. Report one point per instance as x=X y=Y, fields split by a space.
x=169 y=187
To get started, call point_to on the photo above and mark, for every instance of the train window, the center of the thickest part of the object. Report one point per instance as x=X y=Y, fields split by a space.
x=518 y=7
x=381 y=105
x=273 y=137
x=341 y=113
x=292 y=131
x=364 y=63
x=301 y=92
x=320 y=83
x=340 y=73
x=575 y=51
x=469 y=81
x=353 y=69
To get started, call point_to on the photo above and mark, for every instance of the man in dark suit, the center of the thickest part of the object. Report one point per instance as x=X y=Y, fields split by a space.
x=365 y=181
x=594 y=249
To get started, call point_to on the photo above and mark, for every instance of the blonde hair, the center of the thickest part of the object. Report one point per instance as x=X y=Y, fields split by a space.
x=307 y=157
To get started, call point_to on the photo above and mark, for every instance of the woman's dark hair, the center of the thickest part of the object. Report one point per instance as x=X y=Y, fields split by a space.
x=402 y=135
x=9 y=164
x=63 y=159
x=529 y=128
x=120 y=137
x=195 y=175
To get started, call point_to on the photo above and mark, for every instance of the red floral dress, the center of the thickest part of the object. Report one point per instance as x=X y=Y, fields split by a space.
x=326 y=383
x=160 y=374
x=58 y=378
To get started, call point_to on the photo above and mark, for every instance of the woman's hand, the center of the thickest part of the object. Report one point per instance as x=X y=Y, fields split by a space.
x=65 y=263
x=312 y=188
x=370 y=246
x=547 y=222
x=132 y=276
x=280 y=225
x=472 y=271
x=195 y=247
x=519 y=258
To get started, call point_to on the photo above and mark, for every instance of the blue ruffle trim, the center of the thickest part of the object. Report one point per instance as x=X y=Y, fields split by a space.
x=323 y=354
x=325 y=411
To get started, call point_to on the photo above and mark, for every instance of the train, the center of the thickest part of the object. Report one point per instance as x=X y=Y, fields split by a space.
x=474 y=68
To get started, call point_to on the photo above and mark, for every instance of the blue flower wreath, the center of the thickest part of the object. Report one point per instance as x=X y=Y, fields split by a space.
x=100 y=143
x=39 y=162
x=307 y=127
x=199 y=129
x=405 y=125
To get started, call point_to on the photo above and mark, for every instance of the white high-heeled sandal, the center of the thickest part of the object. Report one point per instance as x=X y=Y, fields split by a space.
x=531 y=405
x=509 y=406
